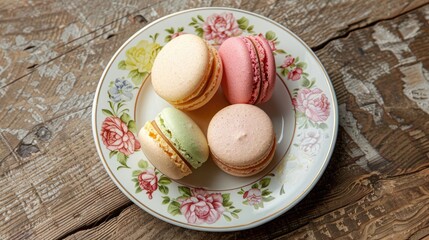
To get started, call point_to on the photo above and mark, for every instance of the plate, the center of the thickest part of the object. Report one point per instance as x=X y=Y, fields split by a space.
x=303 y=109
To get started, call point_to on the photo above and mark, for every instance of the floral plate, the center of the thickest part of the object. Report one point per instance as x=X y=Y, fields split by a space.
x=303 y=110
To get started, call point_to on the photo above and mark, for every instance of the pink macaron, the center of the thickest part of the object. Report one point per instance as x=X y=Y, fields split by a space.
x=241 y=139
x=249 y=69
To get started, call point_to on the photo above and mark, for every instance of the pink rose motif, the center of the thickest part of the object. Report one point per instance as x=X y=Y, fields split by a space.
x=219 y=27
x=313 y=103
x=116 y=137
x=253 y=196
x=289 y=60
x=295 y=74
x=270 y=42
x=148 y=181
x=202 y=207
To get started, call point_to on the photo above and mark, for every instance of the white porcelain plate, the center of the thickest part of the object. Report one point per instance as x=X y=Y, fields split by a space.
x=303 y=110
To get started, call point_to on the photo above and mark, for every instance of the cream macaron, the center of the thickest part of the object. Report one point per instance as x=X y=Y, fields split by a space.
x=187 y=72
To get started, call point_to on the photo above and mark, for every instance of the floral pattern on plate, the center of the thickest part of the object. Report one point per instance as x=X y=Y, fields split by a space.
x=193 y=205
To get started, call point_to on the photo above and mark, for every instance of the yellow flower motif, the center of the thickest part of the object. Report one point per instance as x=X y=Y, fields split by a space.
x=141 y=56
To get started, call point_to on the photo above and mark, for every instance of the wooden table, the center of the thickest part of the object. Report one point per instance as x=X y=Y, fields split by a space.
x=53 y=185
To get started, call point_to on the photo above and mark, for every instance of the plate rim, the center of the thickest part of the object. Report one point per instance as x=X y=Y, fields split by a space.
x=259 y=221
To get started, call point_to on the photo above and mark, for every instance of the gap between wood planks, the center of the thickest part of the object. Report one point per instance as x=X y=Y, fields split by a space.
x=115 y=213
x=371 y=24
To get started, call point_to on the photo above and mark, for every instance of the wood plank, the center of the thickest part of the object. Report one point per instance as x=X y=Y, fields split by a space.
x=368 y=189
x=51 y=58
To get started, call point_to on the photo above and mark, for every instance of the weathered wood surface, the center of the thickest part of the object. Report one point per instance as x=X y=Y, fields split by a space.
x=52 y=54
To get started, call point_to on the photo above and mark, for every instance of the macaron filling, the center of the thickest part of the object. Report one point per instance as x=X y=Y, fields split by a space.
x=185 y=150
x=247 y=169
x=209 y=88
x=262 y=60
x=266 y=84
x=167 y=140
x=167 y=148
x=257 y=78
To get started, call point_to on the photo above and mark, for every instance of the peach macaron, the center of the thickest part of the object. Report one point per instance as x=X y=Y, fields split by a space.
x=187 y=72
x=241 y=139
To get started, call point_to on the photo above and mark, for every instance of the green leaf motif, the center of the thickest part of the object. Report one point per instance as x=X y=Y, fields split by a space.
x=270 y=35
x=241 y=20
x=280 y=51
x=180 y=29
x=265 y=182
x=306 y=83
x=170 y=30
x=323 y=126
x=163 y=189
x=243 y=23
x=120 y=167
x=136 y=173
x=199 y=32
x=174 y=208
x=164 y=180
x=166 y=200
x=138 y=78
x=234 y=215
x=122 y=159
x=200 y=18
x=125 y=117
x=226 y=197
x=266 y=192
x=112 y=153
x=227 y=204
x=142 y=164
x=282 y=190
x=122 y=65
x=107 y=112
x=236 y=211
x=255 y=185
x=301 y=65
x=138 y=190
x=167 y=38
x=185 y=191
x=250 y=28
x=267 y=199
x=194 y=19
x=132 y=126
x=227 y=218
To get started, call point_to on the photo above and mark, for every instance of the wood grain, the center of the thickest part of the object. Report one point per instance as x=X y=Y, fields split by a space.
x=52 y=54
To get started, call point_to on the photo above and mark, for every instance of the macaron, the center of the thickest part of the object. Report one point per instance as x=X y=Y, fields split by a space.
x=174 y=143
x=187 y=72
x=249 y=72
x=241 y=139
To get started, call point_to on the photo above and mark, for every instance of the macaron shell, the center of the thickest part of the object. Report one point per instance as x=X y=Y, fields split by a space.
x=180 y=67
x=246 y=171
x=161 y=155
x=268 y=82
x=184 y=134
x=211 y=87
x=237 y=82
x=240 y=135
